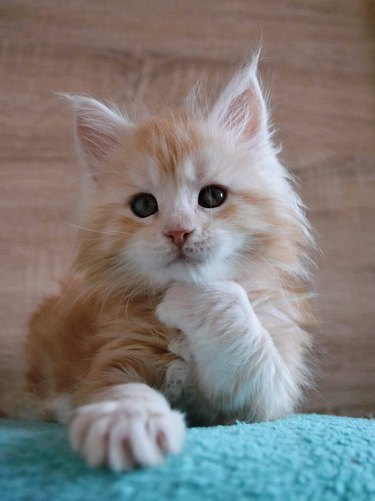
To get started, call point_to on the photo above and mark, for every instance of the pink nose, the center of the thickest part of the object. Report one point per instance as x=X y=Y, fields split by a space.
x=178 y=237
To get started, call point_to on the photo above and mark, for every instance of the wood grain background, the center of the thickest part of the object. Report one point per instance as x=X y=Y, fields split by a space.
x=318 y=62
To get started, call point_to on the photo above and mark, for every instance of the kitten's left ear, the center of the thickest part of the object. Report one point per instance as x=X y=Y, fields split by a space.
x=241 y=108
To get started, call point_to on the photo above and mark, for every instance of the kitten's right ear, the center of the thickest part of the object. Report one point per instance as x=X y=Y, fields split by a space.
x=98 y=129
x=241 y=108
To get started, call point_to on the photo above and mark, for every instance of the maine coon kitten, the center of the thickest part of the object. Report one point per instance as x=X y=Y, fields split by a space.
x=189 y=287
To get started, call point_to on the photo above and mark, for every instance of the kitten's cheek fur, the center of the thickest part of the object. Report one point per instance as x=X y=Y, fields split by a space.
x=131 y=425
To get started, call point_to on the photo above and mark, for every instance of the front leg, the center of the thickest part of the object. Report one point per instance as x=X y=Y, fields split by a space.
x=238 y=366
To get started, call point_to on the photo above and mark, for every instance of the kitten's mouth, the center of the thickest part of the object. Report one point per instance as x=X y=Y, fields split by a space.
x=182 y=258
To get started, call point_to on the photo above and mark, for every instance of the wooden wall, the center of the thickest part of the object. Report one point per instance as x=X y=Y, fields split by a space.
x=318 y=62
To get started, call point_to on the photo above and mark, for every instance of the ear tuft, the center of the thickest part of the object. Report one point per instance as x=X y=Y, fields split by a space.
x=241 y=108
x=98 y=128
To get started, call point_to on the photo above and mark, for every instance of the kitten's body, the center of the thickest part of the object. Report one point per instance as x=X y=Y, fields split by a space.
x=203 y=304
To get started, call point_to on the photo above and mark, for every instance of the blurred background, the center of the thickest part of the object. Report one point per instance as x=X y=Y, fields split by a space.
x=319 y=65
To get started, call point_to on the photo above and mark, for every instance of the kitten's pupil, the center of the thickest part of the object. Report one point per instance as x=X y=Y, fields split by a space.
x=211 y=197
x=144 y=205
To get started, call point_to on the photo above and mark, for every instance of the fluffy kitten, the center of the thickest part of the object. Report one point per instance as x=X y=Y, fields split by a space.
x=189 y=287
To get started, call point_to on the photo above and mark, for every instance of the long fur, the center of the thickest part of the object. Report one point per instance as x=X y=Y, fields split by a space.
x=218 y=328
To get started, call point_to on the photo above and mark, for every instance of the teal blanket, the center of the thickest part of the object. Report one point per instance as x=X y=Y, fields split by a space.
x=304 y=457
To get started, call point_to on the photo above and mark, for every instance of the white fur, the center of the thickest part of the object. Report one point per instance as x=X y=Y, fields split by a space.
x=60 y=407
x=237 y=364
x=176 y=380
x=129 y=425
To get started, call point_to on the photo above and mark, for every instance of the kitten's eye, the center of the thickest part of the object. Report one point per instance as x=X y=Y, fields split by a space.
x=212 y=196
x=144 y=205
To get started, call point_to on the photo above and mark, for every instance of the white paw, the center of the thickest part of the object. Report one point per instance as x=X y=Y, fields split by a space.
x=134 y=428
x=191 y=307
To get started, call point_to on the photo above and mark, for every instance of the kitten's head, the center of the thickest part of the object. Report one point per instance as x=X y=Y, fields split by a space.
x=185 y=196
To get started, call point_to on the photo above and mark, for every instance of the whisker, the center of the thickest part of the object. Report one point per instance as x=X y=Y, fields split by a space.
x=110 y=233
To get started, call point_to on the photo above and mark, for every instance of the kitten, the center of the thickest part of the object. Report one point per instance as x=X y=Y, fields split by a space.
x=189 y=287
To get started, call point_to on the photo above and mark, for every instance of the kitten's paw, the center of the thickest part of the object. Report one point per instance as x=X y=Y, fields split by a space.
x=130 y=430
x=189 y=307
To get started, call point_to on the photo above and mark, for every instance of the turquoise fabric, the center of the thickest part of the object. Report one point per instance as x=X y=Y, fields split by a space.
x=304 y=457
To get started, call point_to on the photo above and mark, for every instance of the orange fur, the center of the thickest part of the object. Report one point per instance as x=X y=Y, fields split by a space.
x=169 y=140
x=101 y=330
x=80 y=345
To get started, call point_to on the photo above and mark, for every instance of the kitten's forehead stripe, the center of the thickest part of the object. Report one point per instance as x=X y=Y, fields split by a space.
x=170 y=141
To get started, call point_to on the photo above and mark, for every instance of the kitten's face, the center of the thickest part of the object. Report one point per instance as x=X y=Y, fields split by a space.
x=183 y=198
x=177 y=204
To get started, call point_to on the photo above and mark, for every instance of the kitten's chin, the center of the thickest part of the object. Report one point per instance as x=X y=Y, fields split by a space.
x=192 y=271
